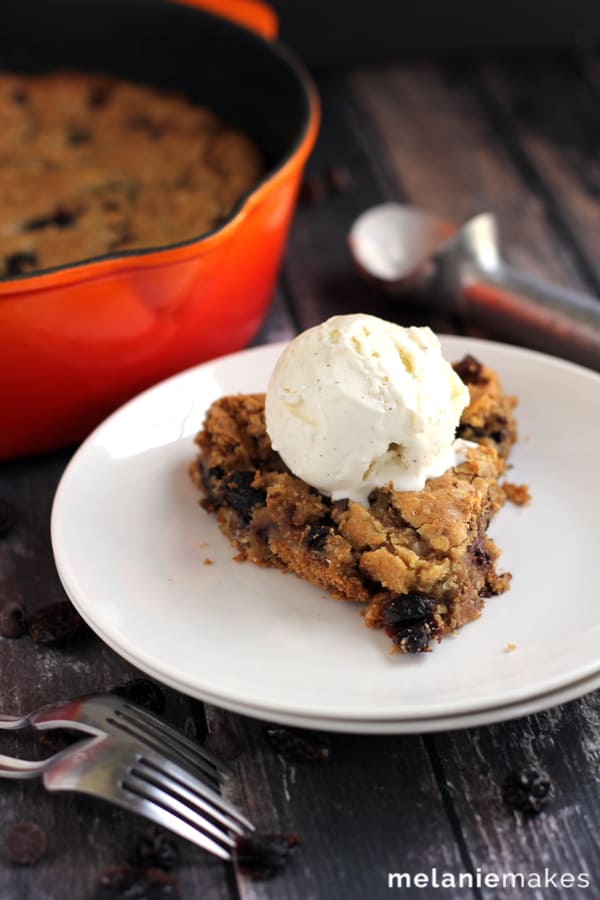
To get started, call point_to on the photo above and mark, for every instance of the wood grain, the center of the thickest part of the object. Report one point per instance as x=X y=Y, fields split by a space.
x=85 y=835
x=512 y=137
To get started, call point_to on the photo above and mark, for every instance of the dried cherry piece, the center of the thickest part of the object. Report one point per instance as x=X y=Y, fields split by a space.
x=261 y=856
x=133 y=883
x=298 y=744
x=469 y=369
x=8 y=516
x=13 y=619
x=527 y=789
x=20 y=263
x=411 y=638
x=241 y=496
x=154 y=849
x=56 y=622
x=143 y=692
x=25 y=843
x=408 y=608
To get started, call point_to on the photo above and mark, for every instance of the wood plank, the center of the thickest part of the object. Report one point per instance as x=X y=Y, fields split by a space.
x=551 y=114
x=319 y=271
x=374 y=807
x=565 y=837
x=449 y=158
x=85 y=835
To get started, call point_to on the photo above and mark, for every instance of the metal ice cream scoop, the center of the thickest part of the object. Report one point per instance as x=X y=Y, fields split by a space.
x=460 y=270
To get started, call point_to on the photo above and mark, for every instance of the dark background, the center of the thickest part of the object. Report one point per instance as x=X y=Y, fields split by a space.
x=327 y=33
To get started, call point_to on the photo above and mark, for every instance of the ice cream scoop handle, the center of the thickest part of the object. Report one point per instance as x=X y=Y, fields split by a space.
x=533 y=312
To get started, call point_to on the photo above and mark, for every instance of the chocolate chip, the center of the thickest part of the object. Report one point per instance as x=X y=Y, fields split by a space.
x=260 y=856
x=317 y=537
x=19 y=96
x=13 y=619
x=56 y=622
x=79 y=136
x=469 y=370
x=222 y=742
x=143 y=692
x=527 y=789
x=25 y=843
x=133 y=883
x=60 y=218
x=154 y=849
x=298 y=745
x=240 y=495
x=8 y=516
x=99 y=95
x=20 y=263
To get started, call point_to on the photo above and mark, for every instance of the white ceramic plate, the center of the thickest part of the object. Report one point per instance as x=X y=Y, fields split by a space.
x=130 y=543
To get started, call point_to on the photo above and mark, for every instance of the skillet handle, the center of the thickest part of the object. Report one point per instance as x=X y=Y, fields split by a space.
x=252 y=14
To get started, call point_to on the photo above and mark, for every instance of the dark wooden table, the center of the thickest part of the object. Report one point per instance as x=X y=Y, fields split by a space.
x=519 y=138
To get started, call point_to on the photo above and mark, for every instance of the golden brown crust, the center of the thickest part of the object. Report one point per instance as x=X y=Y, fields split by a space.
x=91 y=164
x=420 y=561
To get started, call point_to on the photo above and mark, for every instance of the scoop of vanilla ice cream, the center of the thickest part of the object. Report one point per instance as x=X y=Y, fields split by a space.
x=357 y=402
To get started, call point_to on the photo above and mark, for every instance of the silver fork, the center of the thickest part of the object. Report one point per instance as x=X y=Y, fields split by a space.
x=142 y=781
x=111 y=714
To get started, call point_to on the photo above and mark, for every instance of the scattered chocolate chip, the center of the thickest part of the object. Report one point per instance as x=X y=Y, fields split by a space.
x=132 y=883
x=20 y=263
x=527 y=789
x=312 y=190
x=13 y=619
x=408 y=608
x=154 y=849
x=298 y=745
x=143 y=692
x=222 y=742
x=25 y=843
x=56 y=622
x=260 y=856
x=469 y=369
x=240 y=495
x=338 y=178
x=7 y=516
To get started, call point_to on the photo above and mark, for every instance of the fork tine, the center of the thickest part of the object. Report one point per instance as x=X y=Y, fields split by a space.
x=137 y=715
x=163 y=780
x=162 y=741
x=137 y=783
x=185 y=780
x=140 y=803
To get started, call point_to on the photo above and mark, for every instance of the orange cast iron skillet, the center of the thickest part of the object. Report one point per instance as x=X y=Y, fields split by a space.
x=77 y=341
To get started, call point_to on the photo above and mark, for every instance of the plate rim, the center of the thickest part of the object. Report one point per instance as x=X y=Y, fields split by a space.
x=517 y=696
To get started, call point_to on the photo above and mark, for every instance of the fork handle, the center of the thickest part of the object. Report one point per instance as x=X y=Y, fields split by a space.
x=13 y=723
x=21 y=768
